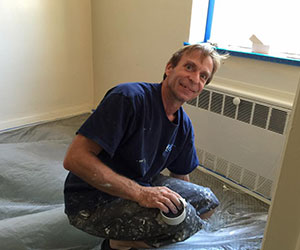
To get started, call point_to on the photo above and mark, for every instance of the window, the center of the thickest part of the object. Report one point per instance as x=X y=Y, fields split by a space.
x=233 y=22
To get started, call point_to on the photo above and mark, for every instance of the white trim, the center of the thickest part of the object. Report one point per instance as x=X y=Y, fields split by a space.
x=44 y=117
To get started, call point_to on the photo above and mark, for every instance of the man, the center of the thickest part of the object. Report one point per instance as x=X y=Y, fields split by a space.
x=114 y=189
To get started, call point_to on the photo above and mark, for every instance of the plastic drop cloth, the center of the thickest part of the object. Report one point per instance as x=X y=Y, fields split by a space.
x=31 y=198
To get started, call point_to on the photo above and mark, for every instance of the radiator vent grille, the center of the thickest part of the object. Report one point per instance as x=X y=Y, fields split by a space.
x=244 y=111
x=200 y=154
x=229 y=108
x=277 y=121
x=264 y=186
x=209 y=160
x=236 y=173
x=249 y=179
x=204 y=100
x=260 y=116
x=222 y=166
x=257 y=114
x=216 y=103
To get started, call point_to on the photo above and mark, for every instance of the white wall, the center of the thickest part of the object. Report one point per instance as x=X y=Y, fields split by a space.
x=45 y=60
x=134 y=39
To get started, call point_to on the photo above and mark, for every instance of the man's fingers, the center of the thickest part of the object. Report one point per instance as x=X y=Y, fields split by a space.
x=163 y=207
x=161 y=197
x=175 y=198
x=174 y=193
x=171 y=206
x=171 y=199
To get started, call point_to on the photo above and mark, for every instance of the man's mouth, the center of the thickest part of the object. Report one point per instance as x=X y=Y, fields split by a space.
x=187 y=88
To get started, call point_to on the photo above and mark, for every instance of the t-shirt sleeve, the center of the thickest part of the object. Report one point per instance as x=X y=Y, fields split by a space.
x=187 y=159
x=109 y=122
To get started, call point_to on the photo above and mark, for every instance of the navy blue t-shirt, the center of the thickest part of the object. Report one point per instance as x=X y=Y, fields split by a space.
x=137 y=138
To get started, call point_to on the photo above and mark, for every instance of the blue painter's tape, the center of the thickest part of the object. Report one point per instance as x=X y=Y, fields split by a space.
x=233 y=181
x=209 y=19
x=262 y=57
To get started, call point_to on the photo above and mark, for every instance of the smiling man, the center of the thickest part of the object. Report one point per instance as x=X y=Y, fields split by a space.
x=114 y=189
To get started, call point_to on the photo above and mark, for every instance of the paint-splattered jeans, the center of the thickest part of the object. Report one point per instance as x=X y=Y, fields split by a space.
x=125 y=220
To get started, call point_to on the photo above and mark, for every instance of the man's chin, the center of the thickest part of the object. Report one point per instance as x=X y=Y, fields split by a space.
x=189 y=98
x=185 y=98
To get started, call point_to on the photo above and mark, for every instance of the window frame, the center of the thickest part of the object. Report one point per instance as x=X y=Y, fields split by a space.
x=240 y=53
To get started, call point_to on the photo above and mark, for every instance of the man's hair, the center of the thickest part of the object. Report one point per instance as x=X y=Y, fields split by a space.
x=205 y=49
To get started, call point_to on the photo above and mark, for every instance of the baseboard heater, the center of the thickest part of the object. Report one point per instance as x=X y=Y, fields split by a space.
x=239 y=139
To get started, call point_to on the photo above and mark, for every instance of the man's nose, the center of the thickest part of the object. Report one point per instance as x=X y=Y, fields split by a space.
x=194 y=77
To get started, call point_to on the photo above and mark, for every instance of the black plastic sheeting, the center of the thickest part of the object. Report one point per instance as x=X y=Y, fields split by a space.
x=31 y=198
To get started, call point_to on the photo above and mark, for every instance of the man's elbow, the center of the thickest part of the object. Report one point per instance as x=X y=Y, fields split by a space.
x=68 y=162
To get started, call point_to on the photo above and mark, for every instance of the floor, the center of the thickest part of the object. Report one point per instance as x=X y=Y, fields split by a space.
x=31 y=198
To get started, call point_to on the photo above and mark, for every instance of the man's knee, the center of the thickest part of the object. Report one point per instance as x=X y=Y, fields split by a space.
x=207 y=215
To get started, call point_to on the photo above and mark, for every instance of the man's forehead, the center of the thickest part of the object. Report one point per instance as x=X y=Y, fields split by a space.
x=197 y=57
x=195 y=54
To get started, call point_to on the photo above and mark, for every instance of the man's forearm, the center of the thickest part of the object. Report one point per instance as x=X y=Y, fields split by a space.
x=105 y=179
x=81 y=159
x=97 y=174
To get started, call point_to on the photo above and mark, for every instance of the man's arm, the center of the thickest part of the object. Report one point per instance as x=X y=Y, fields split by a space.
x=181 y=177
x=81 y=159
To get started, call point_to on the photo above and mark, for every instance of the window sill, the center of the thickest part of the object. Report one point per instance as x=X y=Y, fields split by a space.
x=247 y=53
x=262 y=57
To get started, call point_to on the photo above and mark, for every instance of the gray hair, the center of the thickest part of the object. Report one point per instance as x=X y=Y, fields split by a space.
x=206 y=50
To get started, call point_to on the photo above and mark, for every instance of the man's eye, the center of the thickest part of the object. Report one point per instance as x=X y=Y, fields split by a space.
x=189 y=67
x=204 y=76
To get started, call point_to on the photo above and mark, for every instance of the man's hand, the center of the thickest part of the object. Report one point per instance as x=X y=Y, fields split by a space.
x=159 y=197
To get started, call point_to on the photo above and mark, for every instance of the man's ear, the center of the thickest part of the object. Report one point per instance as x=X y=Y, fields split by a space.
x=168 y=69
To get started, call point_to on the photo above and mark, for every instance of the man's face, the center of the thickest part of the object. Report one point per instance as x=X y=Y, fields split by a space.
x=186 y=80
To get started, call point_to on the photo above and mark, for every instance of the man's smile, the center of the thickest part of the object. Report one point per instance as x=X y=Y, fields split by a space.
x=187 y=88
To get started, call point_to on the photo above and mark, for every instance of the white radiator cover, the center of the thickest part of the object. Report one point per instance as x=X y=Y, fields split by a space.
x=242 y=143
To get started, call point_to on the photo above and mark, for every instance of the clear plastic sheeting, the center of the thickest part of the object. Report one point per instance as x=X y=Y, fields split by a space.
x=31 y=198
x=244 y=232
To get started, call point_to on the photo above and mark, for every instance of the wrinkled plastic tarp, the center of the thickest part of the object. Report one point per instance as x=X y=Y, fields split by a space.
x=31 y=198
x=31 y=189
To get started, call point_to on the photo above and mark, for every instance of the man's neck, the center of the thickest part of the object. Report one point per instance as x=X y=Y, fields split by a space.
x=170 y=105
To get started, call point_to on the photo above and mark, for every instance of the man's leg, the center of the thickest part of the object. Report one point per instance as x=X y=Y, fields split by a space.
x=127 y=224
x=124 y=221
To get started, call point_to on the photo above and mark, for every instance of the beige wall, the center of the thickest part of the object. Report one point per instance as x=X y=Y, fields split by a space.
x=276 y=76
x=283 y=229
x=46 y=60
x=268 y=79
x=133 y=39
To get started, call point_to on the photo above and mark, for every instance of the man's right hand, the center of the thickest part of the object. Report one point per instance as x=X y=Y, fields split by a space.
x=159 y=197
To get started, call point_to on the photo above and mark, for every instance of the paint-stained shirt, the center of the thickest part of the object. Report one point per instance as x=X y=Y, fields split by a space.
x=137 y=138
